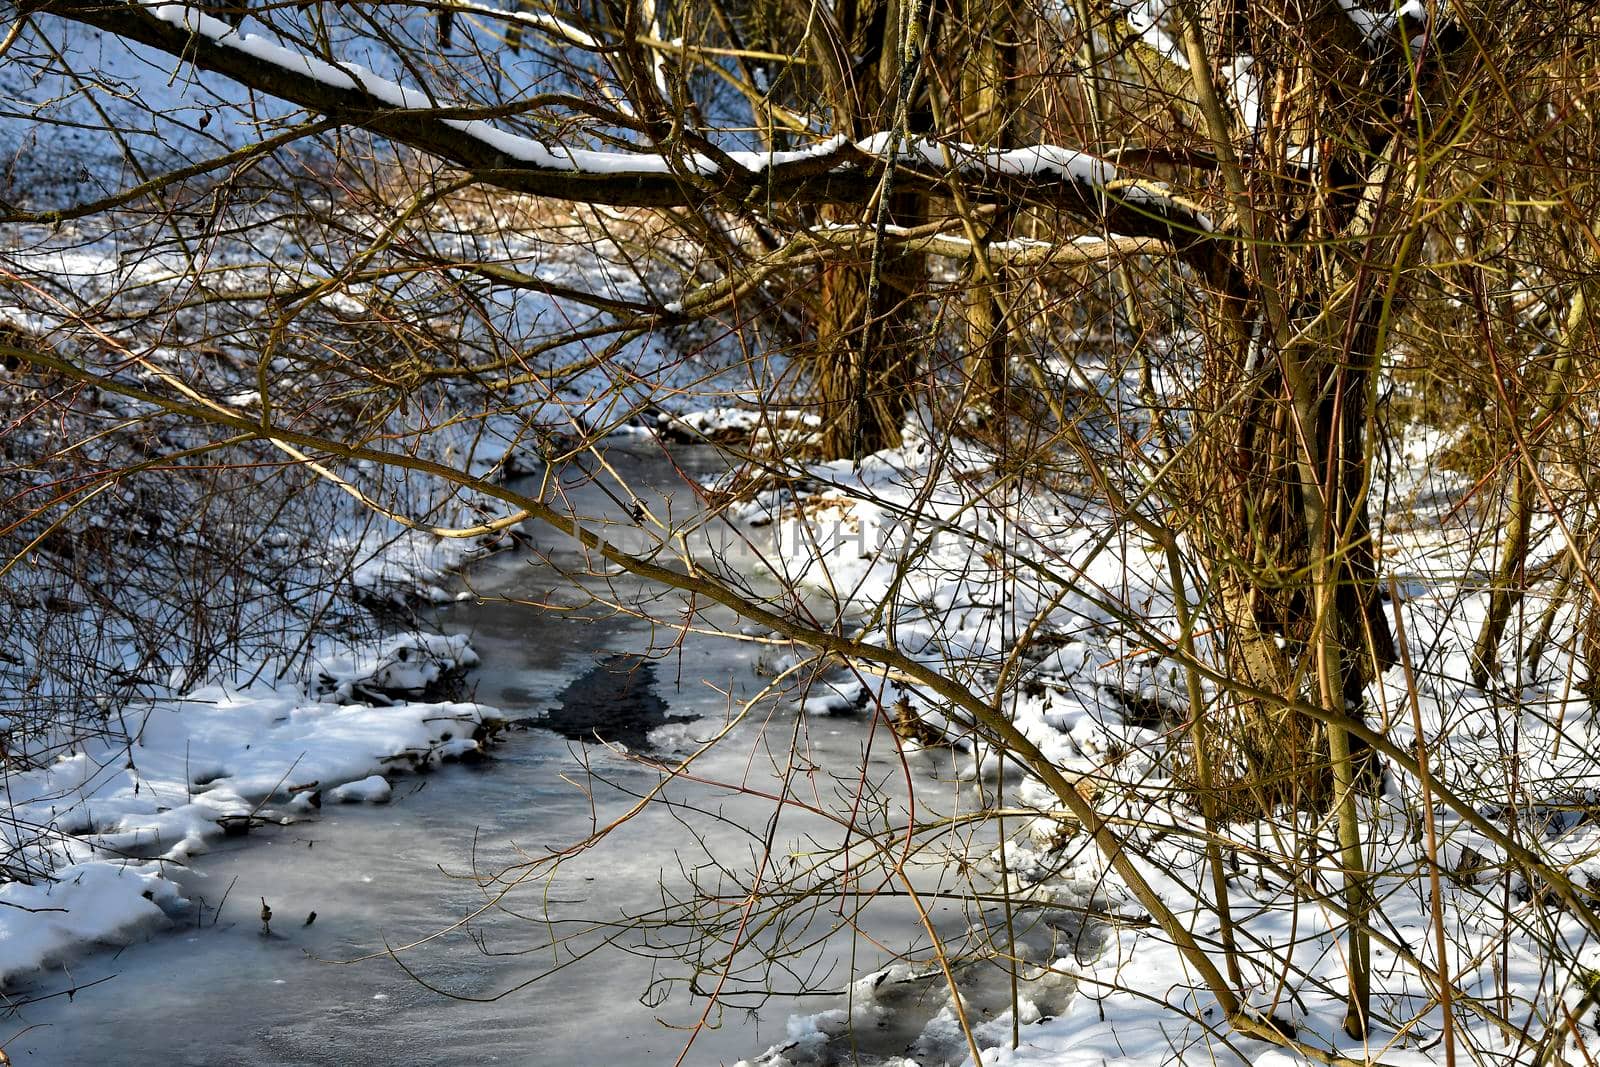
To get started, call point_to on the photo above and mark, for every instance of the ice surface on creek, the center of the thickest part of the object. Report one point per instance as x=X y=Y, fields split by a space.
x=373 y=877
x=228 y=990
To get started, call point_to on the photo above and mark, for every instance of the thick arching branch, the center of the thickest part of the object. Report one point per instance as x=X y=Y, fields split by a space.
x=836 y=170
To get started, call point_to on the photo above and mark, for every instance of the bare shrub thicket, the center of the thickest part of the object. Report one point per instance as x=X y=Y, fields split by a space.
x=1284 y=306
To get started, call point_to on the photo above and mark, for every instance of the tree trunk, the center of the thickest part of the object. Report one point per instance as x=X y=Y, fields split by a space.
x=986 y=33
x=861 y=373
x=864 y=359
x=1272 y=571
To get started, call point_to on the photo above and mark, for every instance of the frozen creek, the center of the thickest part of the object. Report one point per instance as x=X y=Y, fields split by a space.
x=215 y=990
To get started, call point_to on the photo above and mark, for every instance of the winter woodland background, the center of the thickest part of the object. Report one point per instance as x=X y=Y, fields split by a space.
x=1179 y=411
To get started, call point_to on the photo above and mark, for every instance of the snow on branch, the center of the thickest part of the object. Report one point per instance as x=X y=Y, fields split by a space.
x=1144 y=17
x=834 y=170
x=1375 y=25
x=1013 y=252
x=543 y=21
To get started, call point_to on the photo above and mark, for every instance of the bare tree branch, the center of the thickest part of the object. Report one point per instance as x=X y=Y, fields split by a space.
x=838 y=170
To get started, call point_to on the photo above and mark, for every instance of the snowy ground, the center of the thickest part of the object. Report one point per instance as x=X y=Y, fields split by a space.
x=126 y=753
x=189 y=651
x=135 y=737
x=100 y=829
x=904 y=534
x=905 y=545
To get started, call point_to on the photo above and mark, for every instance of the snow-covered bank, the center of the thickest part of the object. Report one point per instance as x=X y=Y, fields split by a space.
x=946 y=565
x=183 y=641
x=93 y=835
